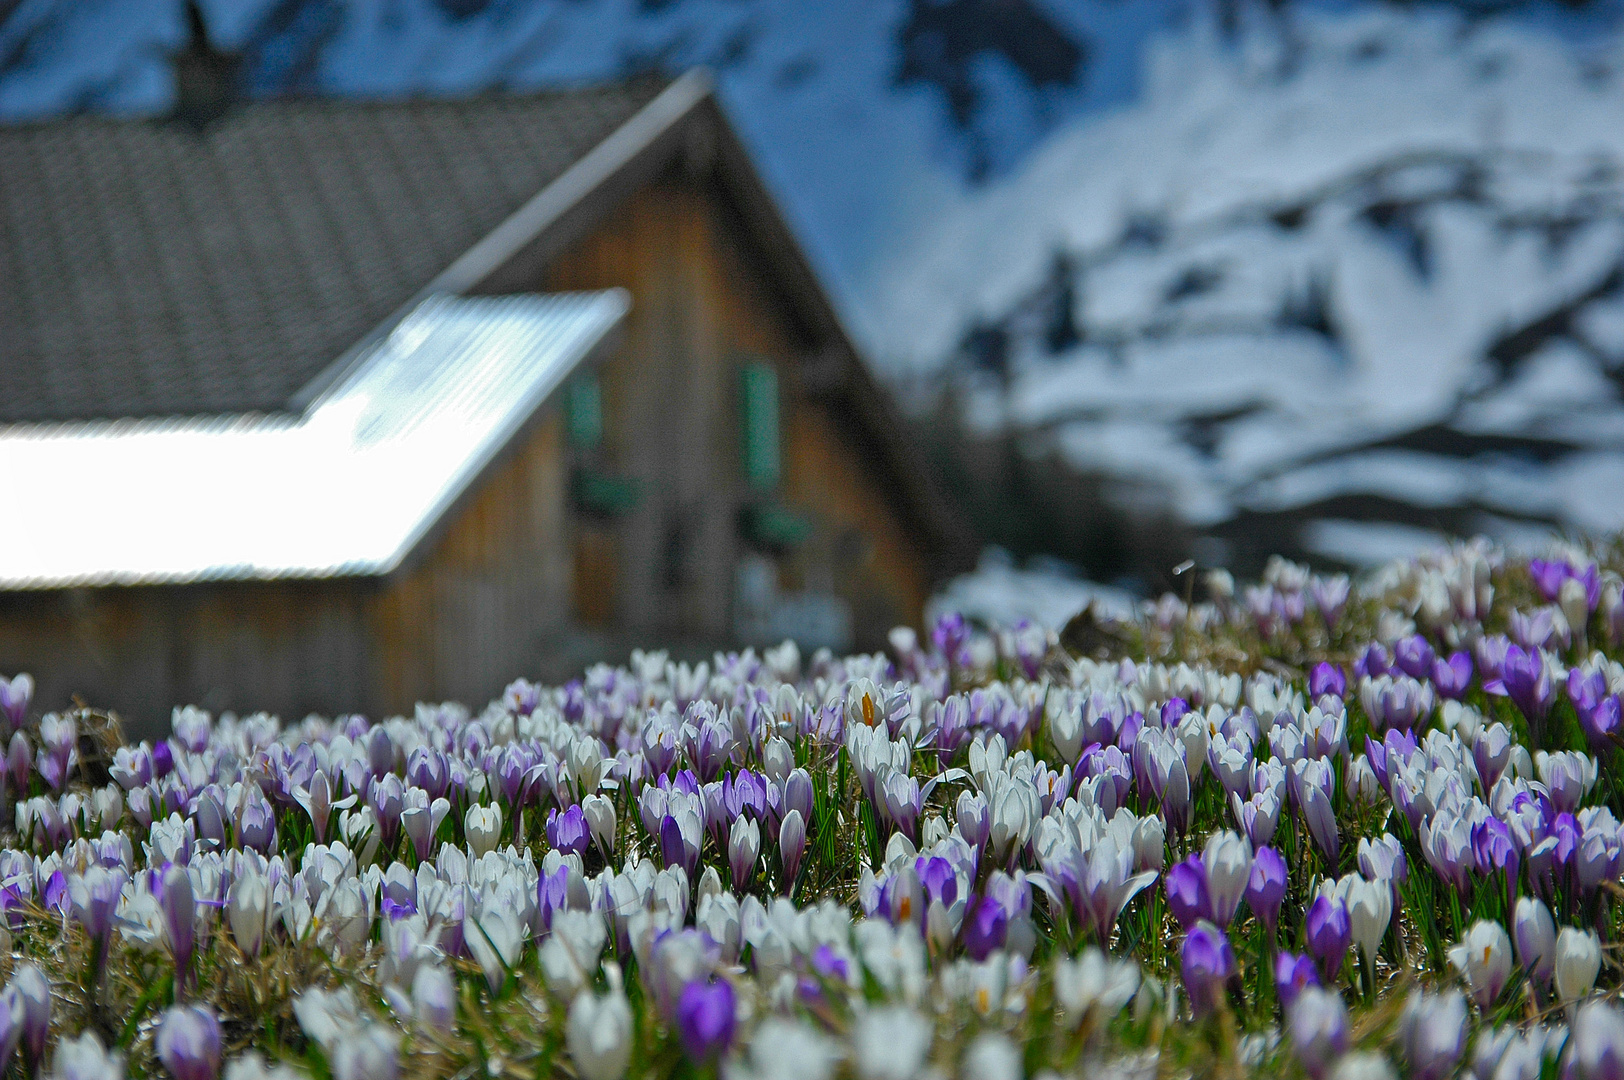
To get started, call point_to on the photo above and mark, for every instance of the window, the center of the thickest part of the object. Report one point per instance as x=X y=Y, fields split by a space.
x=583 y=412
x=759 y=414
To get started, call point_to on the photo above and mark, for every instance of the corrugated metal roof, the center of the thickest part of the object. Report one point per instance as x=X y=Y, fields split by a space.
x=349 y=488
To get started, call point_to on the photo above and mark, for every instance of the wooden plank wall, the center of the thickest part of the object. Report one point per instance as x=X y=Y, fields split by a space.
x=475 y=612
x=483 y=605
x=283 y=647
x=699 y=308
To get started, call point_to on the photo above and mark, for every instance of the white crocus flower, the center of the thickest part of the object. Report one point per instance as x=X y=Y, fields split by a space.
x=1483 y=956
x=890 y=1043
x=600 y=821
x=250 y=911
x=1228 y=861
x=1578 y=960
x=495 y=937
x=1370 y=909
x=1094 y=985
x=598 y=1032
x=484 y=828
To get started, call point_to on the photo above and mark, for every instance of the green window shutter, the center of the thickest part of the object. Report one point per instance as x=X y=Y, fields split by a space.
x=583 y=412
x=760 y=416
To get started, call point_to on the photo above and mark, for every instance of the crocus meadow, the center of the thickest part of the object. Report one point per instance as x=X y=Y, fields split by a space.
x=1314 y=827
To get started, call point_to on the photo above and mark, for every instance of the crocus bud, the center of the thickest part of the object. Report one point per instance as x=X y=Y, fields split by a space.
x=600 y=820
x=791 y=845
x=420 y=823
x=1432 y=1033
x=189 y=1043
x=1207 y=963
x=484 y=827
x=705 y=1019
x=1598 y=1042
x=180 y=918
x=1329 y=935
x=434 y=998
x=1536 y=939
x=28 y=997
x=1578 y=960
x=1228 y=862
x=1187 y=896
x=249 y=911
x=1370 y=909
x=19 y=762
x=1266 y=886
x=567 y=832
x=1292 y=975
x=743 y=848
x=85 y=1058
x=598 y=1032
x=95 y=896
x=1483 y=956
x=15 y=694
x=1318 y=1024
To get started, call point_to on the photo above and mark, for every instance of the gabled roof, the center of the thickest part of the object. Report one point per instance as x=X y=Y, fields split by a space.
x=149 y=269
x=349 y=488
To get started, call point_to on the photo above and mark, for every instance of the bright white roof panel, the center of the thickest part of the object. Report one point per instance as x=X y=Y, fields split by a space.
x=349 y=488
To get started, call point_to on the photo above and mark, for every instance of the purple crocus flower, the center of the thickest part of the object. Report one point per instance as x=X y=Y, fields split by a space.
x=1452 y=677
x=95 y=895
x=1432 y=1033
x=1207 y=963
x=986 y=927
x=189 y=1043
x=711 y=741
x=567 y=832
x=1186 y=888
x=15 y=694
x=705 y=1019
x=1373 y=662
x=1495 y=851
x=163 y=759
x=256 y=826
x=797 y=794
x=28 y=999
x=745 y=792
x=791 y=846
x=552 y=896
x=1327 y=679
x=1527 y=681
x=1329 y=935
x=179 y=909
x=1413 y=656
x=1293 y=973
x=426 y=768
x=11 y=1026
x=1266 y=888
x=1598 y=1042
x=1314 y=784
x=949 y=635
x=1330 y=597
x=1318 y=1023
x=1548 y=575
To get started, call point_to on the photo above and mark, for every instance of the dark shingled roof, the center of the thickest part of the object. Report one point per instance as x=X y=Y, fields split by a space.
x=148 y=269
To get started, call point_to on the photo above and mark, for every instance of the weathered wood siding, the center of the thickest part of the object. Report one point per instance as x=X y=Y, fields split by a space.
x=284 y=647
x=479 y=607
x=699 y=309
x=491 y=596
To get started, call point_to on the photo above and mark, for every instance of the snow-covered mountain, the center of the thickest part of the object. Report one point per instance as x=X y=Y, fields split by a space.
x=1378 y=275
x=1317 y=265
